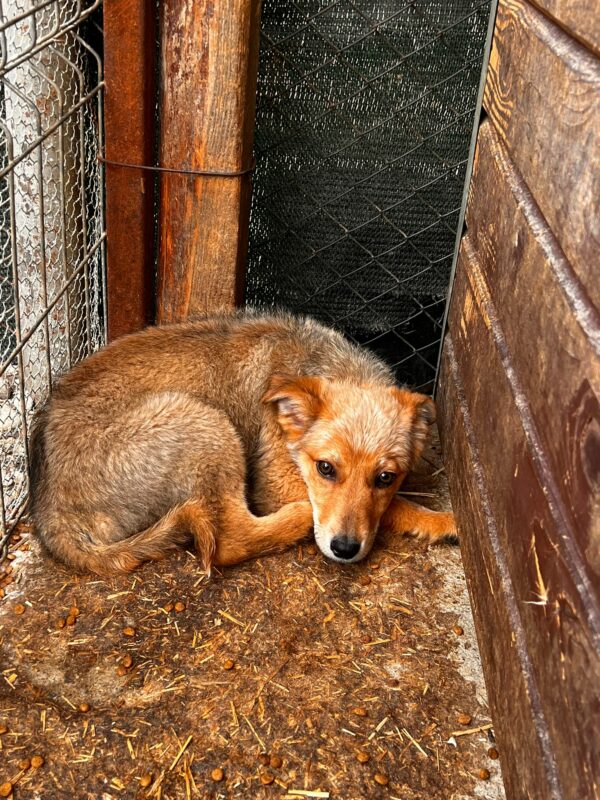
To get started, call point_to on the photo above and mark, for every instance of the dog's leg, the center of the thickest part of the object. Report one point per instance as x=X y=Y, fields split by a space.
x=241 y=535
x=402 y=516
x=222 y=537
x=190 y=521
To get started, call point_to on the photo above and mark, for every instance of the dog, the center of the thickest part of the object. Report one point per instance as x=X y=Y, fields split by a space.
x=236 y=434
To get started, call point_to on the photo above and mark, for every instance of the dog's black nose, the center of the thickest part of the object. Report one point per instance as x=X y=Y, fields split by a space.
x=344 y=547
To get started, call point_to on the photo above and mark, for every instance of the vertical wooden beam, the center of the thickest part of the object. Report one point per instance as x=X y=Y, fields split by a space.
x=208 y=87
x=130 y=76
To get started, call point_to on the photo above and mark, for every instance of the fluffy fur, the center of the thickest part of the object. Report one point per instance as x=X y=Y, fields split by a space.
x=213 y=433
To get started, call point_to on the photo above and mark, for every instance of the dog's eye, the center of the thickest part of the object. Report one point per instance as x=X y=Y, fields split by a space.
x=384 y=479
x=326 y=469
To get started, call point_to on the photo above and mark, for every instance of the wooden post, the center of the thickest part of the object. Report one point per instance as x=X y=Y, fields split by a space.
x=130 y=76
x=209 y=65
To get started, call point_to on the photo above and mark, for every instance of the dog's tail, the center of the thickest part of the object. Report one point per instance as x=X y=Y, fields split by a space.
x=188 y=523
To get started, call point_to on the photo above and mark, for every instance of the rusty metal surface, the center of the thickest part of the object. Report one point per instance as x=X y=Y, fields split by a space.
x=130 y=68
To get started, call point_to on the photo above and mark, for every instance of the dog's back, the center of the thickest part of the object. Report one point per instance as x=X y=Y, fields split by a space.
x=226 y=361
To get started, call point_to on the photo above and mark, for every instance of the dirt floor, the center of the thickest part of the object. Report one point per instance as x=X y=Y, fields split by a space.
x=285 y=677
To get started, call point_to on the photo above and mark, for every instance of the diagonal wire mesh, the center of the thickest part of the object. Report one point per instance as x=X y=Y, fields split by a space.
x=51 y=215
x=364 y=117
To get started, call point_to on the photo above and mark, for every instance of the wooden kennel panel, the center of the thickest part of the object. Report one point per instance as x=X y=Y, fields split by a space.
x=579 y=17
x=519 y=397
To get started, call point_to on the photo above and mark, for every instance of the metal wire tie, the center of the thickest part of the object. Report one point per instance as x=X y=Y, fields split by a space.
x=181 y=171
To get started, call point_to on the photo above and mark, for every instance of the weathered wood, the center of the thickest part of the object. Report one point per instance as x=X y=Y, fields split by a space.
x=542 y=95
x=519 y=725
x=554 y=340
x=129 y=97
x=520 y=388
x=559 y=622
x=581 y=18
x=209 y=65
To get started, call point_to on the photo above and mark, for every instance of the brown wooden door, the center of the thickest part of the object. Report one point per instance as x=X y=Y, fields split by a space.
x=519 y=395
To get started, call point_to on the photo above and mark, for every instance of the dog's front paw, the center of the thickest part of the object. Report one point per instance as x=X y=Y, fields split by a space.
x=439 y=527
x=406 y=517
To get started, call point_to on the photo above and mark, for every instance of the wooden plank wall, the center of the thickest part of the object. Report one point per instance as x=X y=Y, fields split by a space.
x=519 y=395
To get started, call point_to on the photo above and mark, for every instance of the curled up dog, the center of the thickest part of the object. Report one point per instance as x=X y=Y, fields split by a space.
x=235 y=434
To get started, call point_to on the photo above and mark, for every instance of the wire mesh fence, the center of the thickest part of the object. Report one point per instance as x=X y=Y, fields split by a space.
x=51 y=215
x=364 y=117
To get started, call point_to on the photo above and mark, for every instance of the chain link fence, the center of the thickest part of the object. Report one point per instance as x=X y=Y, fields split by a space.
x=52 y=300
x=364 y=118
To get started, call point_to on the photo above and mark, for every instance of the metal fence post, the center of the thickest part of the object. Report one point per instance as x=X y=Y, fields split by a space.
x=130 y=75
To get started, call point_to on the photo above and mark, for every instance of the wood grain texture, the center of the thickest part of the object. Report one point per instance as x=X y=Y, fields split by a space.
x=129 y=71
x=542 y=93
x=209 y=65
x=555 y=345
x=520 y=392
x=520 y=728
x=559 y=623
x=581 y=18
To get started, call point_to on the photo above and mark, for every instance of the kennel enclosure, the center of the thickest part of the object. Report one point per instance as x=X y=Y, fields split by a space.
x=358 y=159
x=364 y=115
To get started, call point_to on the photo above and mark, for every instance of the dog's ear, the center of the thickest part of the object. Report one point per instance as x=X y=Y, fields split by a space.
x=298 y=400
x=423 y=416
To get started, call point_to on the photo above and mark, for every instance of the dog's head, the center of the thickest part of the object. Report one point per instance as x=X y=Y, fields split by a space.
x=353 y=445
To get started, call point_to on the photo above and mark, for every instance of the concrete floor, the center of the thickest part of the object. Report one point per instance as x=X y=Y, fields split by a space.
x=291 y=675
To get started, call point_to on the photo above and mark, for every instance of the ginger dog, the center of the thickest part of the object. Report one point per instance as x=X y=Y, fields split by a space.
x=237 y=434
